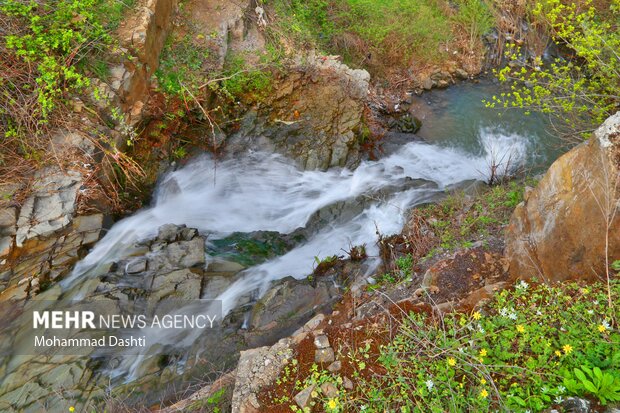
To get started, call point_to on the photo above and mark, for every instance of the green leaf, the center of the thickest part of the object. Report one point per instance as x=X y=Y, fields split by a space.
x=590 y=386
x=579 y=374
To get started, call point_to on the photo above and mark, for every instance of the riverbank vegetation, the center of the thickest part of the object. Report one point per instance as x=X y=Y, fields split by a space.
x=579 y=85
x=528 y=349
x=388 y=37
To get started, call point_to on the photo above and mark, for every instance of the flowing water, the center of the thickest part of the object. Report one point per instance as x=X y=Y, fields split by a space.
x=266 y=192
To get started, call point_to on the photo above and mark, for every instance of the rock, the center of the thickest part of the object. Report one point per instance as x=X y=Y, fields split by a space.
x=8 y=221
x=180 y=284
x=329 y=390
x=314 y=116
x=348 y=384
x=169 y=232
x=576 y=405
x=559 y=232
x=136 y=266
x=321 y=342
x=66 y=141
x=461 y=74
x=304 y=397
x=324 y=355
x=314 y=322
x=292 y=299
x=253 y=373
x=6 y=244
x=51 y=205
x=336 y=366
x=225 y=266
x=427 y=83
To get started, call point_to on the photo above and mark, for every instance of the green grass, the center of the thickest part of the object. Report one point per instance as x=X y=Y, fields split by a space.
x=379 y=33
x=526 y=350
x=486 y=215
x=180 y=65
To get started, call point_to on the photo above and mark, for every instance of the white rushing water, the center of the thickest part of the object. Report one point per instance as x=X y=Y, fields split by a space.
x=264 y=191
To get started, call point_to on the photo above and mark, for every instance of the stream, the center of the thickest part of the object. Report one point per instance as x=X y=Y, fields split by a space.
x=264 y=191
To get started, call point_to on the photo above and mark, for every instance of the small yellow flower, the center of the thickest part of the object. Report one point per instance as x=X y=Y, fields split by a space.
x=314 y=394
x=71 y=409
x=520 y=328
x=484 y=394
x=602 y=328
x=332 y=404
x=451 y=361
x=567 y=348
x=483 y=381
x=476 y=315
x=483 y=352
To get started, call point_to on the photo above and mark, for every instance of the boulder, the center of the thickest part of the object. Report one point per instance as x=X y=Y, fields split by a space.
x=567 y=226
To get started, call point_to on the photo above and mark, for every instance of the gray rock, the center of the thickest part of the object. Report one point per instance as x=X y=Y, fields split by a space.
x=290 y=300
x=5 y=246
x=576 y=405
x=304 y=397
x=461 y=74
x=180 y=284
x=8 y=221
x=321 y=341
x=324 y=355
x=348 y=384
x=168 y=233
x=336 y=366
x=225 y=266
x=88 y=223
x=136 y=266
x=427 y=84
x=329 y=390
x=189 y=234
x=51 y=205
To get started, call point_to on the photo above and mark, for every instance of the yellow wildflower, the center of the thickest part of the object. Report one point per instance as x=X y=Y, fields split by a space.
x=332 y=404
x=483 y=381
x=483 y=352
x=520 y=328
x=484 y=394
x=567 y=348
x=451 y=361
x=557 y=353
x=476 y=315
x=71 y=409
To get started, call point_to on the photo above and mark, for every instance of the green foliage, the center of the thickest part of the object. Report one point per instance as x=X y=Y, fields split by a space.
x=475 y=17
x=244 y=80
x=604 y=385
x=395 y=25
x=527 y=349
x=180 y=65
x=458 y=222
x=582 y=90
x=391 y=30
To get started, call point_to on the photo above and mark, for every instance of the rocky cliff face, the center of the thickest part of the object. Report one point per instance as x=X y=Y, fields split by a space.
x=566 y=226
x=314 y=116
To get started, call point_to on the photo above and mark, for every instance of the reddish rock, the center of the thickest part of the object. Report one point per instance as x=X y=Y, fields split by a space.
x=564 y=227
